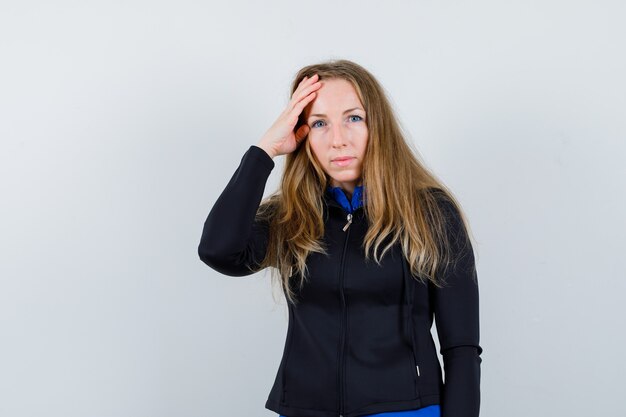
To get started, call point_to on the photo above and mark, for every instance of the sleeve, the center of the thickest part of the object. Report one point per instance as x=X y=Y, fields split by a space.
x=457 y=319
x=233 y=242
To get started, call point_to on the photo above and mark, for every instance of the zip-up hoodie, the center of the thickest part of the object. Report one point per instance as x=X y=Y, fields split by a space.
x=359 y=341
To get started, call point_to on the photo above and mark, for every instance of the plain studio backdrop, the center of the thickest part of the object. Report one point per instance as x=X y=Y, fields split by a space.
x=122 y=122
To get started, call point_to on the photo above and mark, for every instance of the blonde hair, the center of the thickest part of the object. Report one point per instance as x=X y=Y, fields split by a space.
x=403 y=201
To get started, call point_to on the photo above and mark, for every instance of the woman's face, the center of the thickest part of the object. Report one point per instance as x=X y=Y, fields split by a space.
x=338 y=129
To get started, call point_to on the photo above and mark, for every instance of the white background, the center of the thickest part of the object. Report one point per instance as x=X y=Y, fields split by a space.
x=122 y=121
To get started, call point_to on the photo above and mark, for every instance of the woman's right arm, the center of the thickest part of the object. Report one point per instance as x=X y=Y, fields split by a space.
x=232 y=242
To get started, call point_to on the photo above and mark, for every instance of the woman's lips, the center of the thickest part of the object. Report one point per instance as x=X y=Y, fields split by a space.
x=342 y=162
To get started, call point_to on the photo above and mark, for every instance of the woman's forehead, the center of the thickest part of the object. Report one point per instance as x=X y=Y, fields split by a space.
x=334 y=100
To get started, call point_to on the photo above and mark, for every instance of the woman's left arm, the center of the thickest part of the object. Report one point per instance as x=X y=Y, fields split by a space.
x=456 y=315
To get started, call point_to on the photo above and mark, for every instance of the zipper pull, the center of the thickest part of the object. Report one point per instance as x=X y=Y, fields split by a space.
x=349 y=222
x=418 y=370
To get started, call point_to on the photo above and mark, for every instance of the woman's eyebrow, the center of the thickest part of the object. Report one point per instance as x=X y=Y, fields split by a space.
x=346 y=111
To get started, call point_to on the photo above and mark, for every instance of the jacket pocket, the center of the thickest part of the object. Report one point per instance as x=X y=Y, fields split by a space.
x=385 y=372
x=310 y=373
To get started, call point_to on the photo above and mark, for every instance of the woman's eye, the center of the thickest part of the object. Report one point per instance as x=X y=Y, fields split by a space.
x=354 y=115
x=315 y=123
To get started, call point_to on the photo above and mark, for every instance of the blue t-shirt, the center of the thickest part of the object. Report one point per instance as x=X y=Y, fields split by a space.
x=340 y=196
x=350 y=206
x=428 y=411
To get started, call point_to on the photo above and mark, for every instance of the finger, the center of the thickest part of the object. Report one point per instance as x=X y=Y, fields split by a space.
x=303 y=83
x=292 y=115
x=304 y=89
x=304 y=86
x=307 y=80
x=300 y=105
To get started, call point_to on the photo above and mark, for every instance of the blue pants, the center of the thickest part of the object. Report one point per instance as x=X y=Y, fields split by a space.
x=428 y=411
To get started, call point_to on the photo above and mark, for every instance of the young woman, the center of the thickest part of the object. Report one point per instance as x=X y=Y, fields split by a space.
x=367 y=245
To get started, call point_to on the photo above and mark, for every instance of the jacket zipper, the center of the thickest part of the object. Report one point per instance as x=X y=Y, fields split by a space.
x=344 y=321
x=349 y=222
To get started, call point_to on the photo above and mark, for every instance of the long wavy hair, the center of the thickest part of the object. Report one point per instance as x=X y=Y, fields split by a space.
x=398 y=200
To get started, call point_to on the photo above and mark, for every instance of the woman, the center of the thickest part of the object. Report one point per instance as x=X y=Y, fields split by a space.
x=367 y=246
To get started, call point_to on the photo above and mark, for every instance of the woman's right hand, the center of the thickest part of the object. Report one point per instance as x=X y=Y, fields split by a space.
x=280 y=138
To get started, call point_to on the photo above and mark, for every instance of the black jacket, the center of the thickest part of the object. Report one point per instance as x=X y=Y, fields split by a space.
x=359 y=341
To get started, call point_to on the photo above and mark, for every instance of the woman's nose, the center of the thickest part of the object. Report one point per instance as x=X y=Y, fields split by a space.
x=339 y=136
